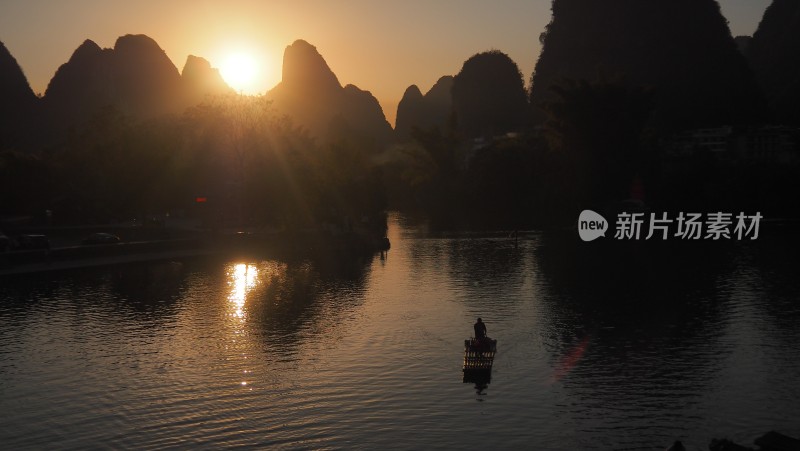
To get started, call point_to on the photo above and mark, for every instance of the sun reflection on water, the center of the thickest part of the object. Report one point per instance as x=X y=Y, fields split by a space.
x=242 y=278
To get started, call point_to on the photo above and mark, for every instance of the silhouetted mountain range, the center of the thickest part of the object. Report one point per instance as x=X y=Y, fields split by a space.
x=424 y=112
x=773 y=54
x=136 y=77
x=681 y=48
x=311 y=94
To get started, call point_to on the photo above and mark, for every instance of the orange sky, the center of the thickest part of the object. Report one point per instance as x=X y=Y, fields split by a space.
x=378 y=46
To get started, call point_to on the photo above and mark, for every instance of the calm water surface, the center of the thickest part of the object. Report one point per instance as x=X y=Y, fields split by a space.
x=600 y=347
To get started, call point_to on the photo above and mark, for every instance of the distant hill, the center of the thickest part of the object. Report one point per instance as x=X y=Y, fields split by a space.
x=489 y=96
x=199 y=80
x=18 y=104
x=773 y=54
x=486 y=98
x=135 y=77
x=424 y=111
x=311 y=94
x=681 y=48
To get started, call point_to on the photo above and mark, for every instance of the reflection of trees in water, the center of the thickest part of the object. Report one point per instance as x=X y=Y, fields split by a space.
x=23 y=294
x=306 y=297
x=649 y=313
x=149 y=291
x=145 y=291
x=689 y=330
x=488 y=264
x=485 y=272
x=767 y=273
x=484 y=267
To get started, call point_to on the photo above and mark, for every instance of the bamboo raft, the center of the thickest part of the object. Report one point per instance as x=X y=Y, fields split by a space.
x=479 y=354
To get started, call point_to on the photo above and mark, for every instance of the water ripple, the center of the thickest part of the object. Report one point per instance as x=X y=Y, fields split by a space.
x=367 y=353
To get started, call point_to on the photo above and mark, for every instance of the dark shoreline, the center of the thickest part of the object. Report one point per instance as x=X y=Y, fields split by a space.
x=234 y=244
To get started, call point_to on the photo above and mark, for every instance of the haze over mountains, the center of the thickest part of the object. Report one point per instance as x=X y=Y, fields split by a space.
x=680 y=49
x=311 y=93
x=136 y=77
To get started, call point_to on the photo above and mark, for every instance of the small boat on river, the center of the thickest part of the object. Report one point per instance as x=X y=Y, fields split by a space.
x=479 y=354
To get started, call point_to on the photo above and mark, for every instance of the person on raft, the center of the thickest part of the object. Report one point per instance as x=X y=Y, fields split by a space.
x=480 y=330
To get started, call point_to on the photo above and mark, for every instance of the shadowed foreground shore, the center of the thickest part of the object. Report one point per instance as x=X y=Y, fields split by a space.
x=303 y=242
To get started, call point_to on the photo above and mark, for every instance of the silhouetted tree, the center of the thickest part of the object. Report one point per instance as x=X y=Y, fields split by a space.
x=261 y=168
x=500 y=185
x=246 y=160
x=26 y=183
x=90 y=169
x=599 y=127
x=773 y=55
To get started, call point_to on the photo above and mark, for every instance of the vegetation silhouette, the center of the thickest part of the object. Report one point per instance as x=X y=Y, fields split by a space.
x=118 y=143
x=251 y=165
x=600 y=128
x=772 y=53
x=26 y=183
x=470 y=169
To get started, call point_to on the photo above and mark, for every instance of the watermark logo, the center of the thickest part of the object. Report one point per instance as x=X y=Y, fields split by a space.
x=686 y=226
x=591 y=225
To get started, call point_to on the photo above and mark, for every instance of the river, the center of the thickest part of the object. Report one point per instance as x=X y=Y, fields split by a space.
x=598 y=348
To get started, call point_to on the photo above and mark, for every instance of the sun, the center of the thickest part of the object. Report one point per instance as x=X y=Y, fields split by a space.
x=240 y=71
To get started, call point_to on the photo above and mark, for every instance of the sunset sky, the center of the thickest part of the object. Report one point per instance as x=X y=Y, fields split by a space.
x=378 y=46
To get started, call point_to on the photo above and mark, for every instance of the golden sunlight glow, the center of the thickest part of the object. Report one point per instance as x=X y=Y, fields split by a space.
x=241 y=72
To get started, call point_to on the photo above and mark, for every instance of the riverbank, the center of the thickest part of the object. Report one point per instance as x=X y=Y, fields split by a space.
x=225 y=243
x=76 y=257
